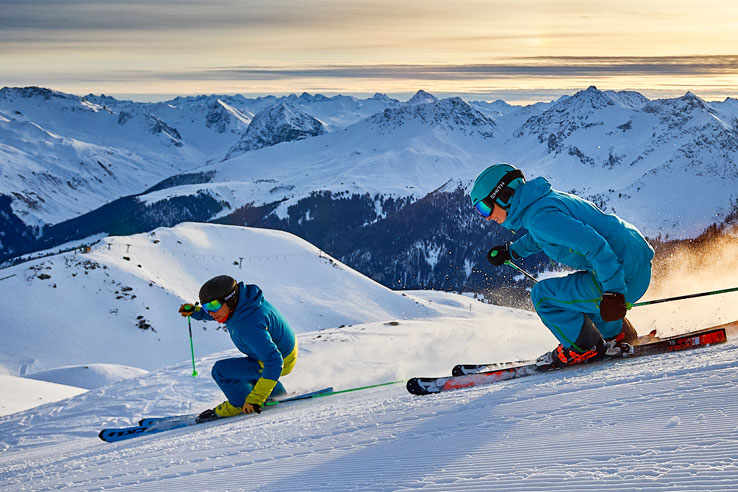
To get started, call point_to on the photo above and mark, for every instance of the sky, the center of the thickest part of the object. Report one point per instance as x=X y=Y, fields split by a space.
x=517 y=50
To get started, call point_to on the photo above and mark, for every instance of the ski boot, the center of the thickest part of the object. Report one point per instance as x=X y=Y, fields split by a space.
x=223 y=410
x=589 y=345
x=622 y=343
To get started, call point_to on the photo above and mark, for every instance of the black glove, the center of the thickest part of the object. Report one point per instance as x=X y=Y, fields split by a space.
x=498 y=255
x=612 y=306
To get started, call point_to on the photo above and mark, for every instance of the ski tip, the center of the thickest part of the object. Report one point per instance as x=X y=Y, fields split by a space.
x=458 y=370
x=414 y=387
x=101 y=435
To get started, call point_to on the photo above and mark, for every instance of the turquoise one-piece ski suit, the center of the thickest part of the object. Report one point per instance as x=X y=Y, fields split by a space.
x=610 y=254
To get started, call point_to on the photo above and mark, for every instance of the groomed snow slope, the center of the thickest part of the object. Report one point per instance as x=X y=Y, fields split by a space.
x=661 y=423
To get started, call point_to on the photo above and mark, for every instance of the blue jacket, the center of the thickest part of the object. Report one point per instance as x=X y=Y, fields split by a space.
x=258 y=330
x=573 y=231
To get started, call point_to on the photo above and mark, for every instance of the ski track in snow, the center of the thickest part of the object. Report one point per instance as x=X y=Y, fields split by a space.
x=657 y=423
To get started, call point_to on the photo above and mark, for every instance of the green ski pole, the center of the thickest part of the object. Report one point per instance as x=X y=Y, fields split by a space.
x=630 y=305
x=331 y=393
x=192 y=347
x=679 y=298
x=516 y=267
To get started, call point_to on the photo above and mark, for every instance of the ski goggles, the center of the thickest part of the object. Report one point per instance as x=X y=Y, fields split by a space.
x=484 y=209
x=213 y=305
x=216 y=304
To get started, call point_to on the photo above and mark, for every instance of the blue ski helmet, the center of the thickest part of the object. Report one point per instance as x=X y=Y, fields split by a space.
x=496 y=184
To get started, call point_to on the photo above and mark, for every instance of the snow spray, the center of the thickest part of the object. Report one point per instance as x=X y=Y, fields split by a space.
x=630 y=305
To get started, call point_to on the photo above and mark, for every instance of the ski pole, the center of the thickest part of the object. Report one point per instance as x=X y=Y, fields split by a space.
x=679 y=298
x=516 y=267
x=630 y=305
x=331 y=393
x=192 y=347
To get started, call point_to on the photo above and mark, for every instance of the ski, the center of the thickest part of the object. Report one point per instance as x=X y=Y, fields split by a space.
x=464 y=377
x=287 y=398
x=465 y=369
x=152 y=425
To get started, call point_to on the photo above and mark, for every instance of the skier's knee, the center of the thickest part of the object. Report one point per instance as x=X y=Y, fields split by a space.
x=535 y=294
x=215 y=371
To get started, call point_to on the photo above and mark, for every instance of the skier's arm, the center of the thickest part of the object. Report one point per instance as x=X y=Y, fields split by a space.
x=268 y=354
x=201 y=314
x=525 y=246
x=195 y=311
x=558 y=228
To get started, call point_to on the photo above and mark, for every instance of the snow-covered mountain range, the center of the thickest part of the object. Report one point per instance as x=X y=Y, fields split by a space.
x=377 y=183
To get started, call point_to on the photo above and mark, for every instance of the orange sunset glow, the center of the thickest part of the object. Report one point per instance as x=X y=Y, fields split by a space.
x=521 y=51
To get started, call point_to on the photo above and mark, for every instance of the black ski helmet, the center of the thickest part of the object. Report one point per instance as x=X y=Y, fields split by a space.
x=223 y=287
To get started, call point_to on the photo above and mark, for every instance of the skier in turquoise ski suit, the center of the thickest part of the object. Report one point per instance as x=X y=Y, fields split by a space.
x=259 y=331
x=613 y=259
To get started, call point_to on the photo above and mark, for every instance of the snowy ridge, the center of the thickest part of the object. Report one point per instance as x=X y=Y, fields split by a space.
x=122 y=297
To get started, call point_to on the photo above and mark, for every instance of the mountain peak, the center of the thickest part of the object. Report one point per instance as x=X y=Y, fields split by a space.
x=690 y=96
x=281 y=122
x=306 y=97
x=681 y=105
x=422 y=97
x=378 y=96
x=452 y=114
x=34 y=91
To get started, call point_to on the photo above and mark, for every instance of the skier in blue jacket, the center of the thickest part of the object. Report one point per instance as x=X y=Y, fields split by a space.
x=259 y=331
x=584 y=310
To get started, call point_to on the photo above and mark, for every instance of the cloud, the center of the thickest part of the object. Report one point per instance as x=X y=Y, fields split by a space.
x=133 y=15
x=547 y=67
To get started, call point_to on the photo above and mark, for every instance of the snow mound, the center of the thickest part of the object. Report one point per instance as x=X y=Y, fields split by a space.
x=20 y=394
x=88 y=376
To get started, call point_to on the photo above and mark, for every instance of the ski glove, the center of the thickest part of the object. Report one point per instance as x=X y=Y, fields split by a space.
x=498 y=255
x=251 y=408
x=612 y=306
x=188 y=309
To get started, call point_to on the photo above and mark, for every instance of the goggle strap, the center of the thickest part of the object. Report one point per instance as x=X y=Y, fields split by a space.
x=502 y=191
